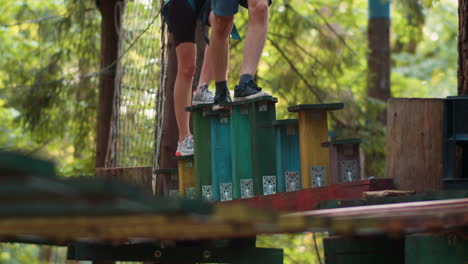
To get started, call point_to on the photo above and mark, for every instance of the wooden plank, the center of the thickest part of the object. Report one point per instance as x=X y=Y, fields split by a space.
x=139 y=176
x=415 y=143
x=308 y=199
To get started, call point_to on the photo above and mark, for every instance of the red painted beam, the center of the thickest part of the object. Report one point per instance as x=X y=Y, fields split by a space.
x=308 y=199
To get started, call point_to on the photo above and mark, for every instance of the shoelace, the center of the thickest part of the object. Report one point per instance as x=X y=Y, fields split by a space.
x=255 y=85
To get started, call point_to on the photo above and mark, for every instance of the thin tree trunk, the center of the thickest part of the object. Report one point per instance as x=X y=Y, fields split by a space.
x=463 y=48
x=109 y=55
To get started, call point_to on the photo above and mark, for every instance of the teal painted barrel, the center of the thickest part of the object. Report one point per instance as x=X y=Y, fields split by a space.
x=253 y=148
x=221 y=158
x=201 y=123
x=288 y=160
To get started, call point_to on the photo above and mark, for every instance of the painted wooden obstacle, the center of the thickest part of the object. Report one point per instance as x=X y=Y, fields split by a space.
x=12 y=163
x=202 y=147
x=288 y=165
x=456 y=143
x=221 y=158
x=313 y=130
x=186 y=177
x=253 y=150
x=345 y=161
x=167 y=182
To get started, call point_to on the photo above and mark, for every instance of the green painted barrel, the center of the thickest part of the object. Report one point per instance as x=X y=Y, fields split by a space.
x=202 y=150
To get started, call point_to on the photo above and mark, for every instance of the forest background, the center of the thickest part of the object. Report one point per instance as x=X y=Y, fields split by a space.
x=316 y=52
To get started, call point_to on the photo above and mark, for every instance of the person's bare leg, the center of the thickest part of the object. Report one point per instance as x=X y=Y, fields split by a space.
x=256 y=35
x=219 y=45
x=182 y=96
x=206 y=73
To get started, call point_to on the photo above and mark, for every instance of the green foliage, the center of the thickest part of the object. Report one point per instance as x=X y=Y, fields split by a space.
x=50 y=47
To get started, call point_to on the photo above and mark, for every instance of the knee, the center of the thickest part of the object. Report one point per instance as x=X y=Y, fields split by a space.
x=258 y=10
x=187 y=70
x=222 y=25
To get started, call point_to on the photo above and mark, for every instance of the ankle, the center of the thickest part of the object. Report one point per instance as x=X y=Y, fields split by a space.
x=221 y=87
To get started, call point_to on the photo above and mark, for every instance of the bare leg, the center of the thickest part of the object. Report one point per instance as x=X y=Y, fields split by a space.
x=206 y=73
x=182 y=96
x=219 y=46
x=256 y=35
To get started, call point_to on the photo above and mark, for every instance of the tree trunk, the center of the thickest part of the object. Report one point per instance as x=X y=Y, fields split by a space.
x=109 y=55
x=463 y=48
x=379 y=58
x=378 y=81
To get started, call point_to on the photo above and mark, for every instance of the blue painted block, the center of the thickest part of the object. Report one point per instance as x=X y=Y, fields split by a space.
x=379 y=9
x=288 y=162
x=221 y=160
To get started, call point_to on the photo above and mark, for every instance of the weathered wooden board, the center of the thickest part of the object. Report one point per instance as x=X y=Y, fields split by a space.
x=140 y=176
x=309 y=199
x=415 y=143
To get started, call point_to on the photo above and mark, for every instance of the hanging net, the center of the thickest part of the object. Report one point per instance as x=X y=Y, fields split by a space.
x=138 y=102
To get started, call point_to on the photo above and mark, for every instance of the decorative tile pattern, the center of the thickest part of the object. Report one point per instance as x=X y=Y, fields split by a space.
x=317 y=175
x=173 y=193
x=269 y=185
x=225 y=191
x=190 y=193
x=293 y=181
x=246 y=188
x=349 y=170
x=207 y=193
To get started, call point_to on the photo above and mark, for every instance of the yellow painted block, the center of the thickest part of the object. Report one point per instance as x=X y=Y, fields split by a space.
x=313 y=130
x=186 y=175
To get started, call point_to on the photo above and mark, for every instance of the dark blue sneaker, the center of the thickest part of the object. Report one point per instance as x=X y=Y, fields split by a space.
x=221 y=98
x=248 y=90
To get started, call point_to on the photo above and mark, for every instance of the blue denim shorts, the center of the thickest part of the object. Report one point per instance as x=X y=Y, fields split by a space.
x=228 y=7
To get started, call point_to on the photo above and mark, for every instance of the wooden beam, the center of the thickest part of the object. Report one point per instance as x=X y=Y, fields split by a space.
x=140 y=176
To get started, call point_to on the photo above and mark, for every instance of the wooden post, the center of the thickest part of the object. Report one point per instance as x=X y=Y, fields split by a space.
x=313 y=131
x=345 y=160
x=415 y=143
x=463 y=48
x=221 y=156
x=111 y=20
x=186 y=177
x=288 y=165
x=201 y=122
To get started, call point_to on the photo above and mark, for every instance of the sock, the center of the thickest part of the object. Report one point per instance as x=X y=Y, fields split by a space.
x=221 y=87
x=245 y=78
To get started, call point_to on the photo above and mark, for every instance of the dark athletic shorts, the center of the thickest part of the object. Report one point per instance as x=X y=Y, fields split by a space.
x=183 y=20
x=228 y=7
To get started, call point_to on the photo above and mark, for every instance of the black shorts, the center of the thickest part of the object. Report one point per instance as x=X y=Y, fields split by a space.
x=183 y=20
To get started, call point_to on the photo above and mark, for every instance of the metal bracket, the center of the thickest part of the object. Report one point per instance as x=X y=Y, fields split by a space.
x=188 y=164
x=246 y=188
x=317 y=175
x=207 y=193
x=269 y=185
x=262 y=107
x=190 y=193
x=173 y=193
x=225 y=191
x=349 y=170
x=293 y=181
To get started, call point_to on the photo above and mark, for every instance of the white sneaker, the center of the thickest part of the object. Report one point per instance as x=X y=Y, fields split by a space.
x=185 y=147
